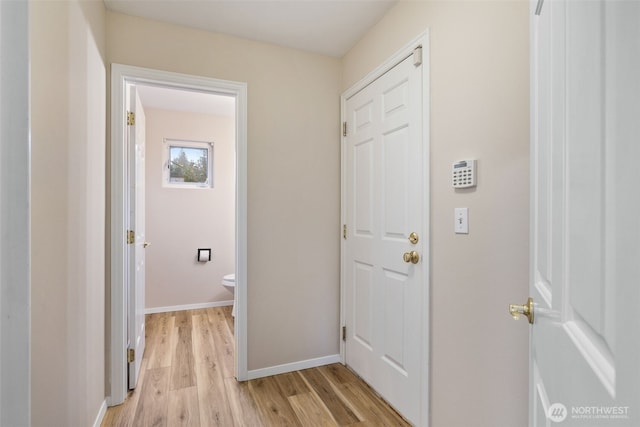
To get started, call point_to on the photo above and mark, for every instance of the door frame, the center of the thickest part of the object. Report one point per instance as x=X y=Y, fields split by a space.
x=423 y=41
x=121 y=75
x=15 y=215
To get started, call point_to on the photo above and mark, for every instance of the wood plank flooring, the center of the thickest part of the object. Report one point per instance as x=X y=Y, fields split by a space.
x=187 y=379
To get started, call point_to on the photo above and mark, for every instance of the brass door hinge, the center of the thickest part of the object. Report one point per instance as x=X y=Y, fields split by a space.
x=344 y=231
x=344 y=333
x=131 y=237
x=344 y=128
x=131 y=355
x=131 y=118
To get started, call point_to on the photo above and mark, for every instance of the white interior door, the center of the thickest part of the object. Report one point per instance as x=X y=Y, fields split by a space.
x=585 y=253
x=136 y=182
x=385 y=202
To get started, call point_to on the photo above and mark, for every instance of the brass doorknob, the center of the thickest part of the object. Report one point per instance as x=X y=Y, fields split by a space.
x=412 y=257
x=525 y=309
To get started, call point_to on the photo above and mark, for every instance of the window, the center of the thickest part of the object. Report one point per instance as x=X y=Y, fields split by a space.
x=188 y=164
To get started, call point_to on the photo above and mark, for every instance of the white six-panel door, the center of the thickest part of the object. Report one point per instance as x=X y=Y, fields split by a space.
x=585 y=257
x=385 y=199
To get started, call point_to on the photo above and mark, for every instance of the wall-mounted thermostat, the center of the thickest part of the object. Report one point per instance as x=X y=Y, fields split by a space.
x=464 y=173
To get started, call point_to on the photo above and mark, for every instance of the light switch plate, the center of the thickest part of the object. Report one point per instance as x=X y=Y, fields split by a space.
x=461 y=216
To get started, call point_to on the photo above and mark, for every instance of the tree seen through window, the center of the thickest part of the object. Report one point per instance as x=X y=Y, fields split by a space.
x=187 y=164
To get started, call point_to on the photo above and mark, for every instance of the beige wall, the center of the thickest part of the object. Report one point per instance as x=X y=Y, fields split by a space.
x=479 y=109
x=179 y=220
x=293 y=176
x=67 y=42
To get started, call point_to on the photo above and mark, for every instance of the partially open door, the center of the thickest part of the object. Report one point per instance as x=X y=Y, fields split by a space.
x=136 y=243
x=585 y=234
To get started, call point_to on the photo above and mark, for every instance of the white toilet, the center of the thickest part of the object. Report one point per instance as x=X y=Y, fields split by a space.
x=229 y=282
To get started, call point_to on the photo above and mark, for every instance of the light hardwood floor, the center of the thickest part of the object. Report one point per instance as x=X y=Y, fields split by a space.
x=187 y=379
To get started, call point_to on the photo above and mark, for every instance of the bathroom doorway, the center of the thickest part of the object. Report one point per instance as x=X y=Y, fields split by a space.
x=167 y=88
x=190 y=197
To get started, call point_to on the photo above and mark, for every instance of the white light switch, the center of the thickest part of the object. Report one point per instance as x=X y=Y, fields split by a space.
x=461 y=220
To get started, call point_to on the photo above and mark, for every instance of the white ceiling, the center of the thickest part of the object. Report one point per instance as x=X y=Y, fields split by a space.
x=188 y=101
x=329 y=27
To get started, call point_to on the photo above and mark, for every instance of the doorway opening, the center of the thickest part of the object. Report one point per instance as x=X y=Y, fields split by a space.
x=123 y=206
x=189 y=187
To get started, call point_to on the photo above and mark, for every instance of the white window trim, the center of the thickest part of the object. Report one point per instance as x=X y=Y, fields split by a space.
x=186 y=143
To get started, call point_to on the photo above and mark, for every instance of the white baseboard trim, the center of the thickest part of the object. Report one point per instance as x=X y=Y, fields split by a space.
x=187 y=307
x=292 y=367
x=101 y=413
